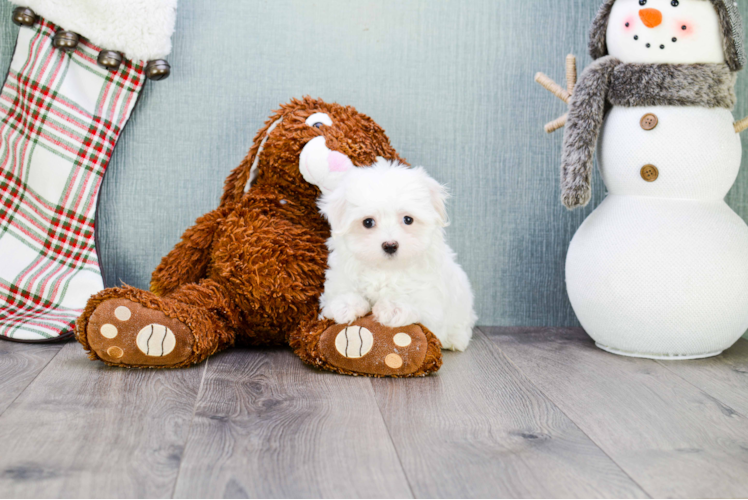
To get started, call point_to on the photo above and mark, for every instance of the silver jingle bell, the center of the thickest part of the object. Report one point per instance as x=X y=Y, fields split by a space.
x=23 y=16
x=158 y=69
x=66 y=40
x=109 y=59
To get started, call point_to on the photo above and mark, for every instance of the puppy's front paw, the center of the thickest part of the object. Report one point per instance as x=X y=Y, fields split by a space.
x=346 y=308
x=393 y=314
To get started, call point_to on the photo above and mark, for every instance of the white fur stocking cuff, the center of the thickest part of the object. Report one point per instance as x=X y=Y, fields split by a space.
x=141 y=29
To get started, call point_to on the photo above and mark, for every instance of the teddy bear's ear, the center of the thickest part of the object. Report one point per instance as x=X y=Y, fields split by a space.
x=239 y=178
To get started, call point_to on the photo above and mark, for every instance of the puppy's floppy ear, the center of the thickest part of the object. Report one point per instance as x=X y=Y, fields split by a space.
x=333 y=206
x=439 y=196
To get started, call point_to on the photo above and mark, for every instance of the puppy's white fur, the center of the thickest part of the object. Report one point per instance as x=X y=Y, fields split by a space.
x=421 y=282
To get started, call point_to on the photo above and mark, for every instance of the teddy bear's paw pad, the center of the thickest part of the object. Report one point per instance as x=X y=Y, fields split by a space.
x=365 y=347
x=123 y=332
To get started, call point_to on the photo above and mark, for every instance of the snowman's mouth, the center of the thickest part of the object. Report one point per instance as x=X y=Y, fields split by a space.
x=650 y=45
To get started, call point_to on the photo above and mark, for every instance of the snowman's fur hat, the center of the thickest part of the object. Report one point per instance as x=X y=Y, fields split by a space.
x=729 y=18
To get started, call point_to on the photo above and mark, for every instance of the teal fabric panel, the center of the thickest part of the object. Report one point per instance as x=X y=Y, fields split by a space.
x=450 y=80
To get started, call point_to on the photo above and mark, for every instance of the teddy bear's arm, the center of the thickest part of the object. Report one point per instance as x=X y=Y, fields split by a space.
x=188 y=260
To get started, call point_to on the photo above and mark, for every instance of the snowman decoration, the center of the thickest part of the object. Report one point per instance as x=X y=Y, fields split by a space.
x=660 y=269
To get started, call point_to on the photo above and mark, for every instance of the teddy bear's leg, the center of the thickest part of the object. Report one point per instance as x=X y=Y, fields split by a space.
x=367 y=348
x=188 y=260
x=131 y=327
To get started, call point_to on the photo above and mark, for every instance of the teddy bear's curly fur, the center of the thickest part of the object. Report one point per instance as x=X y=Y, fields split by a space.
x=251 y=271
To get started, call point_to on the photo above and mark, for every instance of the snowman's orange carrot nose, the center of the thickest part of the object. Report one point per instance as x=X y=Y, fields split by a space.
x=651 y=17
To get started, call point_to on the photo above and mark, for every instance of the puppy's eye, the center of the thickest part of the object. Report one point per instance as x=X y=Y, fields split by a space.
x=318 y=125
x=408 y=220
x=369 y=223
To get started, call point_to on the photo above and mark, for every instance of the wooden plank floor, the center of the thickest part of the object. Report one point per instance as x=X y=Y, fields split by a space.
x=524 y=412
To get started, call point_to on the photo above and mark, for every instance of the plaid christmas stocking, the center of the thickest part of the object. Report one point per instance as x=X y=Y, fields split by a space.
x=62 y=108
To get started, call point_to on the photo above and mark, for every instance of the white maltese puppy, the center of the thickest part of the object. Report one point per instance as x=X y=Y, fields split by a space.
x=388 y=254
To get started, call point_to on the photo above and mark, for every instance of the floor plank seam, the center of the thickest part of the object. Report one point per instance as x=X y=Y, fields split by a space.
x=189 y=428
x=701 y=390
x=389 y=435
x=62 y=345
x=494 y=345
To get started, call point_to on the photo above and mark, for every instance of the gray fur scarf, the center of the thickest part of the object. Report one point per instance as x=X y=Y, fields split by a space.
x=608 y=82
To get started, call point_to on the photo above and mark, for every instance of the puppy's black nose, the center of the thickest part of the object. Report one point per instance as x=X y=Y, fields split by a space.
x=390 y=247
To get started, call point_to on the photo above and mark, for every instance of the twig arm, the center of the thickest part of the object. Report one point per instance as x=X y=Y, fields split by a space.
x=560 y=92
x=741 y=125
x=553 y=87
x=556 y=124
x=571 y=73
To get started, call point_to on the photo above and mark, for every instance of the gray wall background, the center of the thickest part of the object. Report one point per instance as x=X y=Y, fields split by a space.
x=450 y=80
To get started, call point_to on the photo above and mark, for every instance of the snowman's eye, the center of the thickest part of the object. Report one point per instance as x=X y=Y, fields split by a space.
x=675 y=3
x=642 y=2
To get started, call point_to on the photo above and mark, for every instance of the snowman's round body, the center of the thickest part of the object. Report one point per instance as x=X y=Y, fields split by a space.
x=660 y=268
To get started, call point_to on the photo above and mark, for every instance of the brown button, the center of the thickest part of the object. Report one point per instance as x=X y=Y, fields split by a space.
x=650 y=173
x=649 y=121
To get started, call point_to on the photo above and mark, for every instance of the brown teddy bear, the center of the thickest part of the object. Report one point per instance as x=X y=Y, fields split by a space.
x=251 y=271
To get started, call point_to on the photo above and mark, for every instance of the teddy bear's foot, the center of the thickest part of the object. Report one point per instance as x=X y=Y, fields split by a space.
x=367 y=348
x=123 y=332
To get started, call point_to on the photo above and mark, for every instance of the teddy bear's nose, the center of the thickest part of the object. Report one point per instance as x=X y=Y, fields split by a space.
x=651 y=17
x=390 y=247
x=338 y=162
